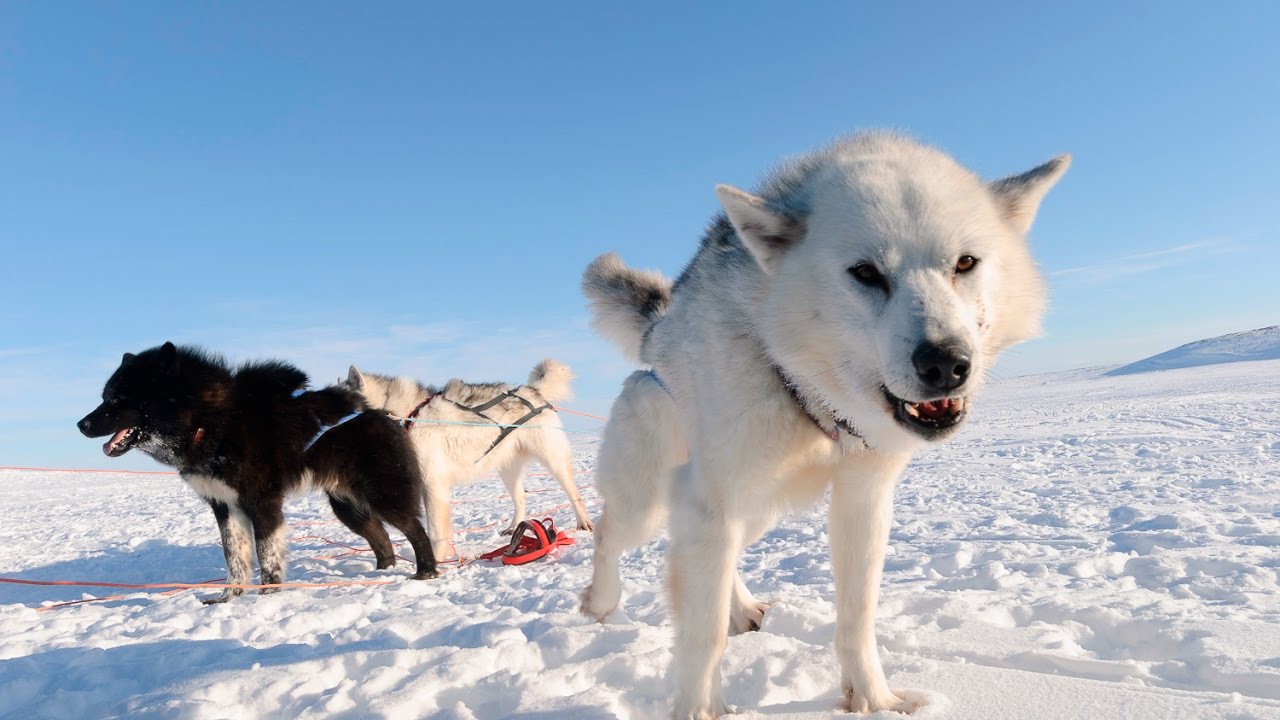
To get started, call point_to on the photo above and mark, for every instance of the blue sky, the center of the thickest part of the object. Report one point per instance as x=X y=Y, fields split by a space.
x=416 y=188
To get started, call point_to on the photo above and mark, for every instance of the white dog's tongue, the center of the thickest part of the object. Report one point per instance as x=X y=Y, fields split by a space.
x=110 y=445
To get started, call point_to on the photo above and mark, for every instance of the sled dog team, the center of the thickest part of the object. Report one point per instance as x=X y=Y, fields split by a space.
x=835 y=320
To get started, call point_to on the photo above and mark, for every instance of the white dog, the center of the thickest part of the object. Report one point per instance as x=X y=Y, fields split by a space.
x=465 y=430
x=831 y=324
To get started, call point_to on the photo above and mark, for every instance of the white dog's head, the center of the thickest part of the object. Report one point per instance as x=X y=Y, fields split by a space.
x=893 y=277
x=394 y=395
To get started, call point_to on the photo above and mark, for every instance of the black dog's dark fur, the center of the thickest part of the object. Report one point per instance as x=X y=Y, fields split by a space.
x=245 y=439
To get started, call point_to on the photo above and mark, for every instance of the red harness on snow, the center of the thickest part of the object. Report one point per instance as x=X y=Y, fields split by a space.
x=531 y=540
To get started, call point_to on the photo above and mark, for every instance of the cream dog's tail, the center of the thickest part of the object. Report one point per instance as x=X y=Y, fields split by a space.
x=552 y=379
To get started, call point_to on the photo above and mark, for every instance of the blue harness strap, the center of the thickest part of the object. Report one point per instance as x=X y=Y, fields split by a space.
x=658 y=380
x=326 y=428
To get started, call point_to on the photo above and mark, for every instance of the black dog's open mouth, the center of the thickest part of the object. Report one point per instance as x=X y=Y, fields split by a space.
x=121 y=442
x=931 y=417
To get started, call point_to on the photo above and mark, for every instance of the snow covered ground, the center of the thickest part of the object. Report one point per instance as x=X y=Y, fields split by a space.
x=1090 y=547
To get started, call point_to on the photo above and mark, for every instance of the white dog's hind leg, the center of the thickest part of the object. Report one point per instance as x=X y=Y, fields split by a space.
x=513 y=478
x=746 y=614
x=639 y=453
x=705 y=545
x=861 y=513
x=614 y=535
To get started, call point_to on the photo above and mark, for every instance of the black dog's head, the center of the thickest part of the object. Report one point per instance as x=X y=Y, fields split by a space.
x=151 y=402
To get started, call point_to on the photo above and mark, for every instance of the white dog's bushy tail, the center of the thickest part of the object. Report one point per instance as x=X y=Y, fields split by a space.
x=624 y=302
x=552 y=379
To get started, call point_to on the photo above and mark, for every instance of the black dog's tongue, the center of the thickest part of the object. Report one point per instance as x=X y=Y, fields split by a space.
x=109 y=446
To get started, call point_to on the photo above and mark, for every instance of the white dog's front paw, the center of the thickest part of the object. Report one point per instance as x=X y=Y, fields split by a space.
x=598 y=605
x=855 y=701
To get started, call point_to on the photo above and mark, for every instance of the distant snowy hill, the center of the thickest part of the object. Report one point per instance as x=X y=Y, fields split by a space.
x=1260 y=344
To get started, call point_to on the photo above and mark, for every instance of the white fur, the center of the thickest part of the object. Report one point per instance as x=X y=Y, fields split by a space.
x=723 y=448
x=454 y=454
x=211 y=488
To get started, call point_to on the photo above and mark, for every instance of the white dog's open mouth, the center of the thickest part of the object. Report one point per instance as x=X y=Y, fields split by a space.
x=120 y=442
x=929 y=418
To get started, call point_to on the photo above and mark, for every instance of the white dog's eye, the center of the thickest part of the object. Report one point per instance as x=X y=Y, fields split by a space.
x=965 y=264
x=869 y=275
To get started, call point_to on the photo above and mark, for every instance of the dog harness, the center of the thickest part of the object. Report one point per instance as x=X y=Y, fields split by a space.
x=413 y=414
x=505 y=428
x=530 y=540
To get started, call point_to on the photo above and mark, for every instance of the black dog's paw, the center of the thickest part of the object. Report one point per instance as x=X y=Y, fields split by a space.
x=226 y=595
x=427 y=575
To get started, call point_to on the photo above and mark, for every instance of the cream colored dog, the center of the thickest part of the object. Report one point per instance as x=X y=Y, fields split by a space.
x=455 y=445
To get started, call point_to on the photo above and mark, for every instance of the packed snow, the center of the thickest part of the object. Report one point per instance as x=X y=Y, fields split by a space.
x=1090 y=547
x=1260 y=344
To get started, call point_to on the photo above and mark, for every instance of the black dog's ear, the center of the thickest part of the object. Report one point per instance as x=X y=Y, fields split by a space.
x=169 y=357
x=128 y=357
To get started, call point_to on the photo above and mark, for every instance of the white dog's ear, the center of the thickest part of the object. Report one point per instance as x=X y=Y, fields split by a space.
x=766 y=233
x=355 y=380
x=1019 y=196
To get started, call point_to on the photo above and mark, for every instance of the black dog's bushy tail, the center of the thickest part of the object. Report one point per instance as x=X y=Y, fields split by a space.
x=331 y=404
x=280 y=380
x=270 y=379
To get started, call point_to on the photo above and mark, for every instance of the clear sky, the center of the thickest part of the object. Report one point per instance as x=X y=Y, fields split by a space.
x=417 y=187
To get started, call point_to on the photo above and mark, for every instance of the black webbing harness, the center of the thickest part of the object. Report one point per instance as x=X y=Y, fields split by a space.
x=838 y=422
x=505 y=428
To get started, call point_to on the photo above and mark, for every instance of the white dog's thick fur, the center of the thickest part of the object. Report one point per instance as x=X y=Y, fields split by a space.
x=831 y=324
x=451 y=441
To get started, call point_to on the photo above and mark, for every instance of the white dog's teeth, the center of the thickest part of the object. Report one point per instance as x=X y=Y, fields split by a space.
x=912 y=410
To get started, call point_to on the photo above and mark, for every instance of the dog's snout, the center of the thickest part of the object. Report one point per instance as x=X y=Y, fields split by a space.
x=942 y=366
x=83 y=425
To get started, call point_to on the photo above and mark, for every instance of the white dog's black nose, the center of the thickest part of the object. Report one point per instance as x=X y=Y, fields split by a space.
x=941 y=367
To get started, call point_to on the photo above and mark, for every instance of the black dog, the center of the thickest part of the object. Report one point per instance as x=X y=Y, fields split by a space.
x=245 y=439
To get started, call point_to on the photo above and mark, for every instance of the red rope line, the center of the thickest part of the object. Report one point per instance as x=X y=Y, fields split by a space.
x=188 y=586
x=557 y=408
x=89 y=470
